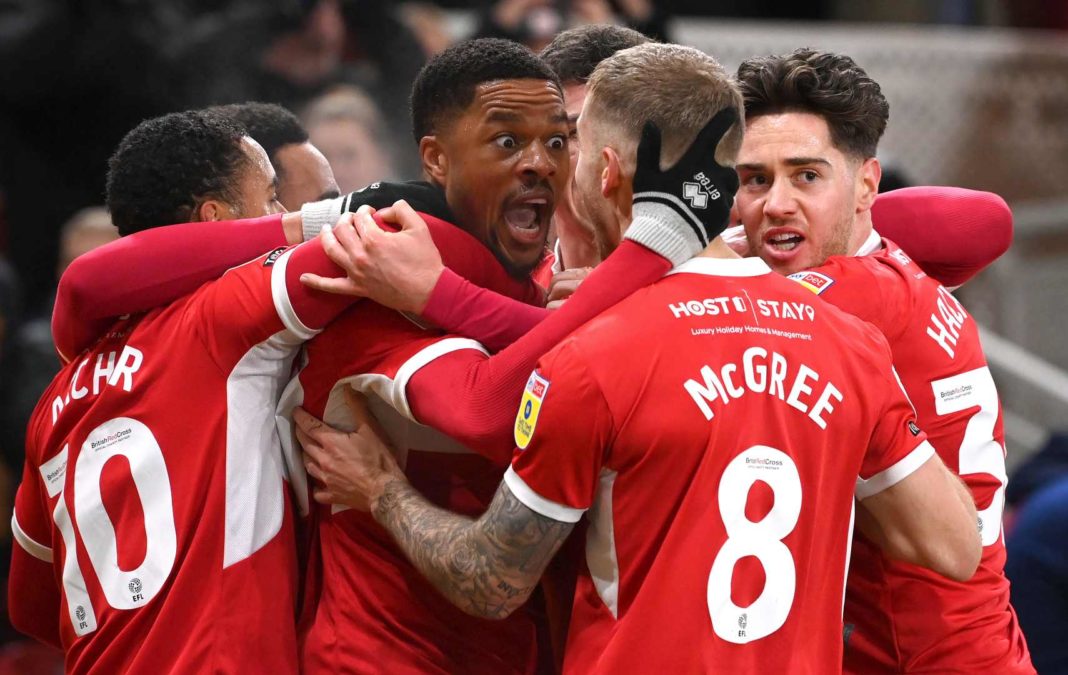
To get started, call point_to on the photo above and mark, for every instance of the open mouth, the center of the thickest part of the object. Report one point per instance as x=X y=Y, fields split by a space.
x=528 y=218
x=784 y=241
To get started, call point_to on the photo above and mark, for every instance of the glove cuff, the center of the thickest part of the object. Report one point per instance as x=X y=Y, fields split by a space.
x=314 y=215
x=661 y=229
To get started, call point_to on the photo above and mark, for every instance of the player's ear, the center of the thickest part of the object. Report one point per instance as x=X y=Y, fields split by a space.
x=868 y=183
x=435 y=160
x=209 y=210
x=611 y=172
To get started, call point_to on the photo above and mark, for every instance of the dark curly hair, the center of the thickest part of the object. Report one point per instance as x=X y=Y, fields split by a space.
x=574 y=53
x=446 y=84
x=830 y=85
x=165 y=165
x=269 y=124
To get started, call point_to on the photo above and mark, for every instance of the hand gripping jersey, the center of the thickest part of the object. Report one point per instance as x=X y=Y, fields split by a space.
x=712 y=428
x=154 y=486
x=900 y=617
x=374 y=611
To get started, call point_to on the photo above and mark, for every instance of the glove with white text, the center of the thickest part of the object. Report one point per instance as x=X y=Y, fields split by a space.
x=677 y=212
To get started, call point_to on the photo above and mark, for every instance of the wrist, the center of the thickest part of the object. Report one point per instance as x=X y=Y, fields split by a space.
x=314 y=215
x=292 y=228
x=426 y=292
x=385 y=496
x=663 y=230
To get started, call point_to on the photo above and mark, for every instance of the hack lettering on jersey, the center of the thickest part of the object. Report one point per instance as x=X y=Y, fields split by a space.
x=764 y=373
x=722 y=306
x=109 y=369
x=946 y=321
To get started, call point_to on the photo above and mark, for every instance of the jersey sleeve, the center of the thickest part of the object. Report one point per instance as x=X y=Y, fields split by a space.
x=496 y=321
x=262 y=298
x=563 y=430
x=149 y=269
x=951 y=233
x=472 y=397
x=898 y=446
x=33 y=597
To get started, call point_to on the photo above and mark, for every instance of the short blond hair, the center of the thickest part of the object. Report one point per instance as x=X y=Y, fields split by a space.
x=677 y=88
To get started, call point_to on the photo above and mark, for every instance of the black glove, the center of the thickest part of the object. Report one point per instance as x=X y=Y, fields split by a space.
x=678 y=212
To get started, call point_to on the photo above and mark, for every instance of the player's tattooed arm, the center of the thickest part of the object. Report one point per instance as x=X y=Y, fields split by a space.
x=486 y=567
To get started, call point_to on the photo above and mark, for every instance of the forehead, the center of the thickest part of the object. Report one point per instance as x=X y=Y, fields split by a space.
x=784 y=135
x=526 y=100
x=259 y=163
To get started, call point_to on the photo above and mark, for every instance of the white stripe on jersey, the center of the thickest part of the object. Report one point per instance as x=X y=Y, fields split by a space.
x=37 y=550
x=896 y=473
x=601 y=544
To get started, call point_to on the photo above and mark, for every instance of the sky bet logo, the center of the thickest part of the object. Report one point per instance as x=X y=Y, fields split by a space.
x=700 y=192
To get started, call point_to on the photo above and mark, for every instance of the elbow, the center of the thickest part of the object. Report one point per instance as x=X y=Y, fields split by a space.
x=495 y=609
x=1001 y=232
x=960 y=560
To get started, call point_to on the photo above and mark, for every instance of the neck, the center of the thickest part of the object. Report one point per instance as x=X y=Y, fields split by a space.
x=577 y=248
x=862 y=229
x=718 y=249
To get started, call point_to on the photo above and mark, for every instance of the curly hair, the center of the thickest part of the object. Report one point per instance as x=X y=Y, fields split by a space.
x=166 y=165
x=830 y=85
x=574 y=53
x=446 y=84
x=269 y=124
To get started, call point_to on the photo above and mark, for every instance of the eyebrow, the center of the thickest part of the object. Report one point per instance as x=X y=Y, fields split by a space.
x=790 y=161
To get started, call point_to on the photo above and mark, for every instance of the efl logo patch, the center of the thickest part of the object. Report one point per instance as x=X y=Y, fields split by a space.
x=527 y=417
x=273 y=256
x=813 y=281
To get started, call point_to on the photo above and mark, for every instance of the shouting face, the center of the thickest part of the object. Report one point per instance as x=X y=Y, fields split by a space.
x=504 y=163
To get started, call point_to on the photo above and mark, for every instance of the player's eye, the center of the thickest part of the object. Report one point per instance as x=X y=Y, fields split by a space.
x=808 y=176
x=557 y=143
x=506 y=141
x=754 y=180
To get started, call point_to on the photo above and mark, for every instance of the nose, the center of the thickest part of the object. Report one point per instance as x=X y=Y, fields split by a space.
x=536 y=162
x=779 y=201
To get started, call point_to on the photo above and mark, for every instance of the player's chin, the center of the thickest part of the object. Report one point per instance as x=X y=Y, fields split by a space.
x=520 y=261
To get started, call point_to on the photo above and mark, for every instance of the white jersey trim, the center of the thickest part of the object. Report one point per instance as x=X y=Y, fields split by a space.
x=398 y=397
x=601 y=557
x=723 y=267
x=872 y=244
x=282 y=303
x=535 y=502
x=896 y=473
x=36 y=549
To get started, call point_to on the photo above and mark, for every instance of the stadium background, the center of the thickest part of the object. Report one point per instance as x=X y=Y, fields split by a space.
x=978 y=93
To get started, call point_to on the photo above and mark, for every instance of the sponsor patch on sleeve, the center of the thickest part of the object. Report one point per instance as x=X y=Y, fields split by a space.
x=527 y=417
x=813 y=281
x=273 y=256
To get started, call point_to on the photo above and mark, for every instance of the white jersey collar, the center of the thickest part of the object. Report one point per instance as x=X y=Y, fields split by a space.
x=724 y=267
x=872 y=244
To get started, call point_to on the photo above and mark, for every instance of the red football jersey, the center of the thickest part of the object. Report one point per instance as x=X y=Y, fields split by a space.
x=154 y=485
x=901 y=617
x=372 y=611
x=713 y=427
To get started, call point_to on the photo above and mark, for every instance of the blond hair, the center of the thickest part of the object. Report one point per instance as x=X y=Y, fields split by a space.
x=677 y=88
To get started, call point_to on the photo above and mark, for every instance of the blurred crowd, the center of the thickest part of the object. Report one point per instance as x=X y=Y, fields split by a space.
x=76 y=76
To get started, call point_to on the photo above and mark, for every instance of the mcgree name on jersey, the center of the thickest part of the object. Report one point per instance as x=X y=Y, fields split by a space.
x=762 y=373
x=113 y=369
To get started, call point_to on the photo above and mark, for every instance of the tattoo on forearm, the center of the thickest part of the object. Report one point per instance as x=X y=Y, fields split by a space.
x=486 y=567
